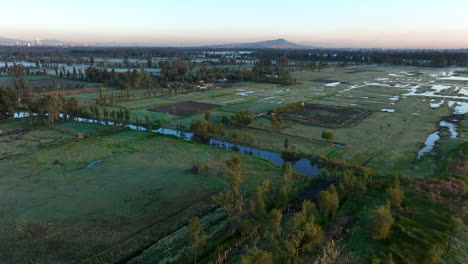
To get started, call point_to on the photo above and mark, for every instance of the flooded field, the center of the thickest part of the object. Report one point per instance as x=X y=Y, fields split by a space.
x=406 y=103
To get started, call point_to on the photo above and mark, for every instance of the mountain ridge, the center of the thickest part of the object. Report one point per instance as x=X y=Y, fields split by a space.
x=266 y=44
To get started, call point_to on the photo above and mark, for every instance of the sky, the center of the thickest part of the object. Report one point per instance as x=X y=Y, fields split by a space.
x=327 y=23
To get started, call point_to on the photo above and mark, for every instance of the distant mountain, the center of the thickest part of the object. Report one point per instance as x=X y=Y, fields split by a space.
x=7 y=41
x=268 y=44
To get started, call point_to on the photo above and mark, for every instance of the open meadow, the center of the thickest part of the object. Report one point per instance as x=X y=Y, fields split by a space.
x=120 y=196
x=66 y=200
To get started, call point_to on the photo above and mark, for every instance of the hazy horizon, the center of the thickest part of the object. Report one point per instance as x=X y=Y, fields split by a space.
x=336 y=23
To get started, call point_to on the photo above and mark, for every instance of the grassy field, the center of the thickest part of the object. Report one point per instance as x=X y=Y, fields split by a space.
x=416 y=100
x=110 y=195
x=57 y=208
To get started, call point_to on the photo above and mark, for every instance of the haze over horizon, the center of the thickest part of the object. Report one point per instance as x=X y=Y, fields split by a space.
x=335 y=23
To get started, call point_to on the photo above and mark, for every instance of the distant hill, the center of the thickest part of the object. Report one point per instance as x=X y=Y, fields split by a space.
x=6 y=41
x=268 y=44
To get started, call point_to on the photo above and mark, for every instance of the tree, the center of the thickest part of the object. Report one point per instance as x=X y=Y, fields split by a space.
x=243 y=118
x=276 y=123
x=235 y=173
x=347 y=184
x=51 y=106
x=282 y=62
x=128 y=114
x=327 y=135
x=380 y=222
x=23 y=83
x=286 y=182
x=232 y=199
x=149 y=62
x=395 y=194
x=313 y=233
x=271 y=230
x=218 y=129
x=328 y=202
x=200 y=127
x=235 y=136
x=196 y=236
x=249 y=138
x=208 y=116
x=261 y=198
x=70 y=107
x=350 y=185
x=8 y=102
x=301 y=232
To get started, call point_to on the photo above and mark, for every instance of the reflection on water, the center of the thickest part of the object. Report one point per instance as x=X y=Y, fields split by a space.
x=303 y=166
x=434 y=137
x=451 y=127
x=91 y=164
x=428 y=144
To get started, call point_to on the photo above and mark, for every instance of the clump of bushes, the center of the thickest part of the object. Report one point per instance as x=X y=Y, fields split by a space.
x=243 y=118
x=287 y=108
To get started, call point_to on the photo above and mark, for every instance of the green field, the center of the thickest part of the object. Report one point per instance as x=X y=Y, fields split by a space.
x=56 y=210
x=109 y=196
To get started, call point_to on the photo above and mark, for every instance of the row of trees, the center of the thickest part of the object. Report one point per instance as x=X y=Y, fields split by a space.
x=22 y=85
x=52 y=108
x=85 y=55
x=49 y=106
x=423 y=58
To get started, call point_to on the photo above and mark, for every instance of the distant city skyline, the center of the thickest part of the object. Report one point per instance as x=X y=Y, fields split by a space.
x=332 y=23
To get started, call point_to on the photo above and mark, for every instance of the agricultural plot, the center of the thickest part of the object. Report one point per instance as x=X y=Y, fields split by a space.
x=327 y=116
x=184 y=108
x=108 y=195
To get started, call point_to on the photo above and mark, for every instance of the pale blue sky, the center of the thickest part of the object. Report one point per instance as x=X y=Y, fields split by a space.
x=359 y=23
